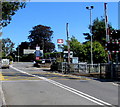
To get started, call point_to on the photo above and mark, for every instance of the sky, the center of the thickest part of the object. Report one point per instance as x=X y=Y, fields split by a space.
x=56 y=15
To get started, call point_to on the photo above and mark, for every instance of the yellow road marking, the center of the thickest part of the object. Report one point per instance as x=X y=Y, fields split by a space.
x=17 y=78
x=72 y=76
x=53 y=78
x=1 y=77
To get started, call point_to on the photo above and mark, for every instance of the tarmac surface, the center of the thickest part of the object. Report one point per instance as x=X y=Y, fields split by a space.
x=43 y=87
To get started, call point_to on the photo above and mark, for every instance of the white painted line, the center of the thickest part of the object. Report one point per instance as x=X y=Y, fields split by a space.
x=2 y=93
x=2 y=96
x=79 y=93
x=115 y=84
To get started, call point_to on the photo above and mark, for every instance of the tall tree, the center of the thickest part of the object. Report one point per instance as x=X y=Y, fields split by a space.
x=98 y=31
x=76 y=47
x=99 y=53
x=9 y=9
x=7 y=47
x=83 y=51
x=42 y=36
x=22 y=46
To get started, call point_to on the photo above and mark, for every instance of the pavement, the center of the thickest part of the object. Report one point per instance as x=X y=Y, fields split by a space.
x=38 y=86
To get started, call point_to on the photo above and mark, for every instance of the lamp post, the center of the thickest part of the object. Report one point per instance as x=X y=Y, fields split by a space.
x=90 y=8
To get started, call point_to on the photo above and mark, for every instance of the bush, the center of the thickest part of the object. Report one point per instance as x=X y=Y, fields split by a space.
x=54 y=66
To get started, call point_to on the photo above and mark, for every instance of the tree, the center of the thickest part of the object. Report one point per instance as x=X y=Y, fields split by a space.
x=7 y=47
x=76 y=47
x=83 y=51
x=41 y=35
x=9 y=9
x=99 y=53
x=22 y=46
x=98 y=31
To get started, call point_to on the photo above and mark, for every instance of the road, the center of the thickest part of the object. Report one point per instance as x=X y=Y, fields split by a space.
x=23 y=84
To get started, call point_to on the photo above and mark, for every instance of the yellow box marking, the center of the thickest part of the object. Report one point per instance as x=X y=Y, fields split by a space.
x=1 y=77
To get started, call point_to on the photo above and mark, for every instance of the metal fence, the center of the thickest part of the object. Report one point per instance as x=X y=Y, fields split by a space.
x=103 y=70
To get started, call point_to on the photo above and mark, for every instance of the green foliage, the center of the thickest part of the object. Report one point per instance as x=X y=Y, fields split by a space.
x=52 y=55
x=7 y=47
x=9 y=9
x=41 y=35
x=99 y=53
x=83 y=51
x=98 y=31
x=10 y=58
x=22 y=46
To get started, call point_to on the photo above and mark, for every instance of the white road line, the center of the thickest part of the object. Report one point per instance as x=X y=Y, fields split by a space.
x=2 y=93
x=2 y=96
x=115 y=84
x=79 y=93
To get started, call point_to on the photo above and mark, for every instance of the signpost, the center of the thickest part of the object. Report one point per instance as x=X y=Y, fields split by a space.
x=60 y=42
x=38 y=53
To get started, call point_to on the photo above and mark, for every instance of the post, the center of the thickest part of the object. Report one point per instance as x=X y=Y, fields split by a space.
x=107 y=29
x=91 y=37
x=90 y=8
x=100 y=71
x=68 y=43
x=18 y=52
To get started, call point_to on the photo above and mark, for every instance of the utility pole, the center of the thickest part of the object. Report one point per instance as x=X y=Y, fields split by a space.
x=18 y=52
x=68 y=43
x=107 y=29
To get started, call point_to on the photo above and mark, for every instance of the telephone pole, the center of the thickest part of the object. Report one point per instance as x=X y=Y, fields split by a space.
x=68 y=43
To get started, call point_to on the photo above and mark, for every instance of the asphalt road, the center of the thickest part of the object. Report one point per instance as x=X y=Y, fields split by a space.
x=23 y=84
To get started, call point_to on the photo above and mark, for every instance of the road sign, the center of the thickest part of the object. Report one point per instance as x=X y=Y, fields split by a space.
x=75 y=60
x=28 y=51
x=39 y=53
x=37 y=48
x=60 y=41
x=37 y=58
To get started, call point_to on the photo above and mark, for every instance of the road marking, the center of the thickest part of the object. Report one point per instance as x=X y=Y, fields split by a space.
x=1 y=77
x=2 y=96
x=1 y=90
x=115 y=84
x=79 y=93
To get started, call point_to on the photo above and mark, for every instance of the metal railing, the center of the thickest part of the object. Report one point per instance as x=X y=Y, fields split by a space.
x=104 y=70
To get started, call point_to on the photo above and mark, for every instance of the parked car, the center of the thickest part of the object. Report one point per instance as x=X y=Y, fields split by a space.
x=5 y=63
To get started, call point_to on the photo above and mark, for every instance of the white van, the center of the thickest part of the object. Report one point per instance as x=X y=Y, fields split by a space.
x=5 y=63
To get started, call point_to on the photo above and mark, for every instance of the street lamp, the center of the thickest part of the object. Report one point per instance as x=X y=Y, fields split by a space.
x=90 y=8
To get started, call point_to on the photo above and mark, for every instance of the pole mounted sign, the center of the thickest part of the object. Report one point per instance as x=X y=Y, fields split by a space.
x=60 y=41
x=37 y=48
x=28 y=51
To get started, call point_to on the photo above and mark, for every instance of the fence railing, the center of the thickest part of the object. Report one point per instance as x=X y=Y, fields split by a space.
x=104 y=70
